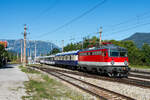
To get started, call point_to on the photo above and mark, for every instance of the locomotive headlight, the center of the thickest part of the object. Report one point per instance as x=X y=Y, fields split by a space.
x=124 y=68
x=125 y=62
x=112 y=62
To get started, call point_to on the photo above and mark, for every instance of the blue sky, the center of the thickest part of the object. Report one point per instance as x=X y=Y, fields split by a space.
x=44 y=16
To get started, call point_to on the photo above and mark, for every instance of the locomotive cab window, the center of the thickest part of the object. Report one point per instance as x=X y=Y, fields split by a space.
x=118 y=53
x=123 y=54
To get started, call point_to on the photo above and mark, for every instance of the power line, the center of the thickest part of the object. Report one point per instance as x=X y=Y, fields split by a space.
x=143 y=16
x=131 y=19
x=46 y=10
x=130 y=28
x=75 y=19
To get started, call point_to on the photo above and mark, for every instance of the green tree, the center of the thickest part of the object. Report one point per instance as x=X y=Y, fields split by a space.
x=3 y=55
x=146 y=54
x=54 y=51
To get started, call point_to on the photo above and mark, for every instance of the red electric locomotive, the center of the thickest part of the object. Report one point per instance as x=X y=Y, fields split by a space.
x=109 y=59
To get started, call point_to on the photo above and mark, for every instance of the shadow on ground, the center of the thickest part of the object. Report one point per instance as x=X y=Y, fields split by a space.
x=6 y=67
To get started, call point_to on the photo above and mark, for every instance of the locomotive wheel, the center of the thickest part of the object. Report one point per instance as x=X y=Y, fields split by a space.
x=110 y=74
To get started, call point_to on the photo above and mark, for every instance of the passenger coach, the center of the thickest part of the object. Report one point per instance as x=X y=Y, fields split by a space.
x=69 y=59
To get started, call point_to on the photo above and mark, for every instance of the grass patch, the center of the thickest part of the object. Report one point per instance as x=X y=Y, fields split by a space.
x=140 y=66
x=28 y=70
x=48 y=89
x=14 y=62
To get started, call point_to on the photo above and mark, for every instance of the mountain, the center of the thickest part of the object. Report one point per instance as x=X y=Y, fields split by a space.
x=139 y=38
x=42 y=47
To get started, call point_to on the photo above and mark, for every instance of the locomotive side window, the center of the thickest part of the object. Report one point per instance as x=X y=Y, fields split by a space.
x=90 y=53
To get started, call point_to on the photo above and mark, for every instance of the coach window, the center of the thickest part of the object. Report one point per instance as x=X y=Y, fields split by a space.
x=68 y=57
x=65 y=57
x=73 y=57
x=62 y=57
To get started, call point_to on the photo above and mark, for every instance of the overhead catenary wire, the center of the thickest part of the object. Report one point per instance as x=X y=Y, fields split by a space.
x=45 y=11
x=74 y=19
x=130 y=20
x=130 y=28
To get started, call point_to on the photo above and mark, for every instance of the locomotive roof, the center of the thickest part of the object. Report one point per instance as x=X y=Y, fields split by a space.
x=111 y=46
x=68 y=53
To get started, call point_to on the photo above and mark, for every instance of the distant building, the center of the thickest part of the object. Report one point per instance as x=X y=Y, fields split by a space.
x=4 y=43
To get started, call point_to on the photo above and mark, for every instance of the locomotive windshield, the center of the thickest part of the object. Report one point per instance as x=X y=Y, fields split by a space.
x=118 y=53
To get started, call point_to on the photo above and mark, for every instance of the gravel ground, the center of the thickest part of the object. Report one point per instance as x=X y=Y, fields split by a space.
x=128 y=90
x=11 y=83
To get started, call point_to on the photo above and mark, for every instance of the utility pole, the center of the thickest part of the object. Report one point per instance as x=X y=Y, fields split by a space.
x=30 y=52
x=21 y=50
x=35 y=50
x=100 y=38
x=25 y=34
x=82 y=42
x=51 y=47
x=62 y=45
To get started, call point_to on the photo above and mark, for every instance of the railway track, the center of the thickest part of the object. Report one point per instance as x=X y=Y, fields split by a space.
x=99 y=92
x=142 y=72
x=139 y=76
x=128 y=81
